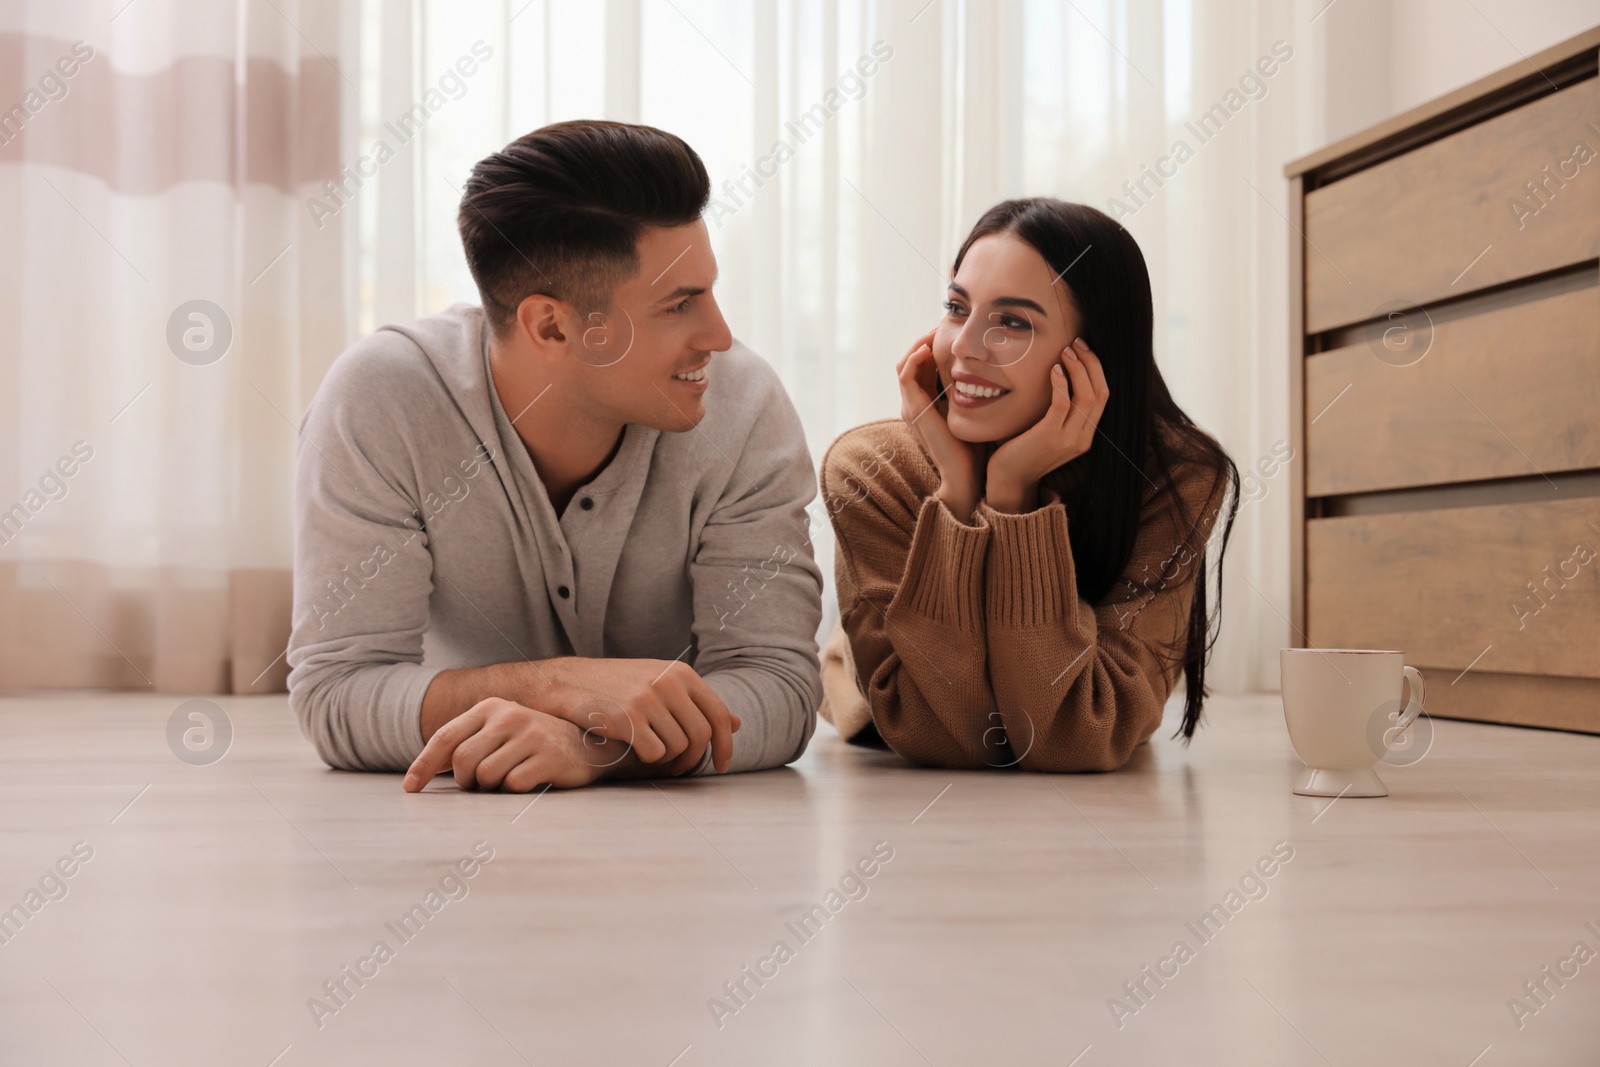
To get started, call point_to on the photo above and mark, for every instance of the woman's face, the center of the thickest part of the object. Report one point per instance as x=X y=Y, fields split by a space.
x=1007 y=320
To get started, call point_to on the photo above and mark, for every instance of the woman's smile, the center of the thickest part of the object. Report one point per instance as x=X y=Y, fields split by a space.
x=971 y=391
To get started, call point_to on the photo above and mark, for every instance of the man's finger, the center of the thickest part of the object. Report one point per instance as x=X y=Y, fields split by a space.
x=690 y=759
x=472 y=751
x=491 y=768
x=529 y=774
x=664 y=720
x=641 y=735
x=464 y=762
x=613 y=722
x=436 y=754
x=695 y=723
x=723 y=721
x=685 y=763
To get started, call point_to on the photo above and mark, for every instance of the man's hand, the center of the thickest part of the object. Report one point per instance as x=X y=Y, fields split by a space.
x=502 y=745
x=662 y=708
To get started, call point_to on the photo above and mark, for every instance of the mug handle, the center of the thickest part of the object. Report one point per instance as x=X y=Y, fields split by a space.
x=1413 y=708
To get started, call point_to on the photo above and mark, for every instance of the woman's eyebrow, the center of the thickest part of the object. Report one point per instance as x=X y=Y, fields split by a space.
x=1019 y=302
x=1004 y=301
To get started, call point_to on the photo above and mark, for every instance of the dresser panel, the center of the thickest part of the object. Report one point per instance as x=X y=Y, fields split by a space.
x=1444 y=219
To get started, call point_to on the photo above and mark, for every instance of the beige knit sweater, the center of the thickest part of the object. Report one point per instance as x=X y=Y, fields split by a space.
x=967 y=645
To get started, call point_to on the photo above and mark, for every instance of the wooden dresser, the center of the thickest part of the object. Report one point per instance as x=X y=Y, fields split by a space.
x=1445 y=392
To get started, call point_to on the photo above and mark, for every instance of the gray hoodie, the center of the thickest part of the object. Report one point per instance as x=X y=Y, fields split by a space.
x=425 y=541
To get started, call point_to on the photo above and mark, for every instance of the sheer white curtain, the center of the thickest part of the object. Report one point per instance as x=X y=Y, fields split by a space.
x=853 y=143
x=166 y=308
x=298 y=164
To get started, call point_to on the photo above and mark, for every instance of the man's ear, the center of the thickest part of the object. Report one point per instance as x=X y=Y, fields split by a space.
x=546 y=323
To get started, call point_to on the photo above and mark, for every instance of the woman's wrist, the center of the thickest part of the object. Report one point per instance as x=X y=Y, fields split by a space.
x=961 y=501
x=1009 y=495
x=1012 y=503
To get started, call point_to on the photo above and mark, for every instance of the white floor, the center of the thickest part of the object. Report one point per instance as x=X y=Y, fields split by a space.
x=219 y=899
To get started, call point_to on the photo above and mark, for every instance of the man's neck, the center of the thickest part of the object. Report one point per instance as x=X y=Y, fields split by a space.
x=567 y=451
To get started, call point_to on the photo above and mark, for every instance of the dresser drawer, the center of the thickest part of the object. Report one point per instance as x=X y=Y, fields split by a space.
x=1520 y=580
x=1524 y=699
x=1505 y=393
x=1444 y=219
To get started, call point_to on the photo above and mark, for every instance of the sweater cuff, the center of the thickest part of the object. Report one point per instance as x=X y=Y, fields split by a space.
x=1030 y=577
x=944 y=568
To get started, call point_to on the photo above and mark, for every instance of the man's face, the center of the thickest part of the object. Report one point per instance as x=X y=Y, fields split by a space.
x=663 y=323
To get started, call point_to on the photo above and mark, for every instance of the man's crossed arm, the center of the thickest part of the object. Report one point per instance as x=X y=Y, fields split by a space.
x=570 y=721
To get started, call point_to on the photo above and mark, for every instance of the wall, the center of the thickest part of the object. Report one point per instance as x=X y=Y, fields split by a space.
x=1381 y=58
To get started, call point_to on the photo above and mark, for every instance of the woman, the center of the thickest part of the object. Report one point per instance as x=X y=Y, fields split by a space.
x=1021 y=556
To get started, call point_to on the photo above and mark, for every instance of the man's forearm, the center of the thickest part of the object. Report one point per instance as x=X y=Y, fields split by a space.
x=453 y=692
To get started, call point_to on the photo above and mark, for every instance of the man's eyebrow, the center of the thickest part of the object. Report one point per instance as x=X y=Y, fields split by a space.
x=1004 y=301
x=689 y=290
x=680 y=292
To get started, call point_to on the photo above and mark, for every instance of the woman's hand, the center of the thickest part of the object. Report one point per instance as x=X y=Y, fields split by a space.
x=960 y=470
x=1064 y=433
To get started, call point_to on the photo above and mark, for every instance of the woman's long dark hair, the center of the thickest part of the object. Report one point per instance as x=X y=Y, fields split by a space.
x=1102 y=266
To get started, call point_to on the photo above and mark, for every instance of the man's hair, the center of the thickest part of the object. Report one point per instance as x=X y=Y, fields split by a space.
x=559 y=211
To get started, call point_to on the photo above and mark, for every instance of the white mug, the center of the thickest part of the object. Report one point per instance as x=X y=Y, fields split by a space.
x=1343 y=711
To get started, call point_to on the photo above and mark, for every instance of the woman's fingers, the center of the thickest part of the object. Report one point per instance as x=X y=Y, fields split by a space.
x=1097 y=383
x=1082 y=380
x=1076 y=402
x=906 y=369
x=1072 y=394
x=1097 y=372
x=1066 y=430
x=1087 y=396
x=920 y=364
x=1102 y=390
x=960 y=475
x=925 y=341
x=927 y=369
x=914 y=396
x=1061 y=405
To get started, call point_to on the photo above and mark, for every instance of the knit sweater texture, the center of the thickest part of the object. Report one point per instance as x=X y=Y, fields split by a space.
x=968 y=643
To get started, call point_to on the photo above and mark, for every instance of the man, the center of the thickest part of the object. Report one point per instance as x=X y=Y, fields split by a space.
x=561 y=536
